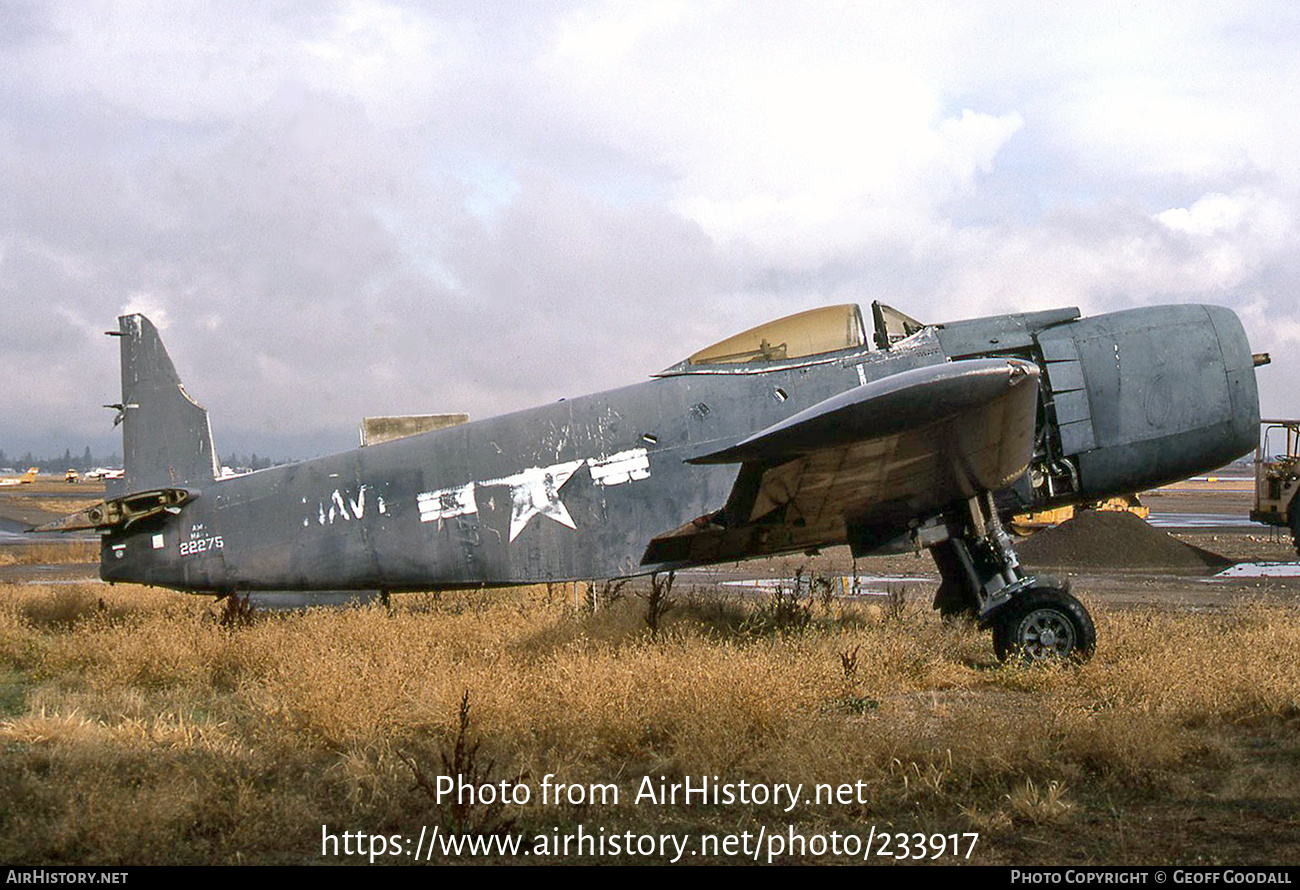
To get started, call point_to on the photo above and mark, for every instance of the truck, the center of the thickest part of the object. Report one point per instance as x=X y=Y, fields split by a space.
x=1277 y=477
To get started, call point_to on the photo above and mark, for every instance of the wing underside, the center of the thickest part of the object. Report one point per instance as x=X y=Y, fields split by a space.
x=867 y=463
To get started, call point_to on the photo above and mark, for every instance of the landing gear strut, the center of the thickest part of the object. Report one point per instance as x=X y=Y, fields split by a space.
x=1032 y=619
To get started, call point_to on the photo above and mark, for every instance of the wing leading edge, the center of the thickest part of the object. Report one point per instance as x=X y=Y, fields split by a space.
x=867 y=462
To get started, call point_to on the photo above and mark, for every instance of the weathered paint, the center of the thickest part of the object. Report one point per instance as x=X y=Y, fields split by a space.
x=613 y=471
x=447 y=503
x=344 y=505
x=536 y=491
x=626 y=466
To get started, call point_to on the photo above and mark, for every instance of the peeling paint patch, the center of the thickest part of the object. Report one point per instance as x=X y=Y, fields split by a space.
x=536 y=491
x=447 y=503
x=343 y=504
x=339 y=506
x=626 y=466
x=533 y=492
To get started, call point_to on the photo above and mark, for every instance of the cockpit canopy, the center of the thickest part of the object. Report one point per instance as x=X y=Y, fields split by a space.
x=805 y=334
x=827 y=329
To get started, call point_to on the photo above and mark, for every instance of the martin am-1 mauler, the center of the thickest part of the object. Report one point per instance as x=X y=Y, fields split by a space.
x=810 y=431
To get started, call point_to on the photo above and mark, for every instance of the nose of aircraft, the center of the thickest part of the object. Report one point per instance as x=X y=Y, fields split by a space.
x=1152 y=395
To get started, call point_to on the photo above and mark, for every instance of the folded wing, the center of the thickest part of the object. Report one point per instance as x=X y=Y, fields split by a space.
x=868 y=462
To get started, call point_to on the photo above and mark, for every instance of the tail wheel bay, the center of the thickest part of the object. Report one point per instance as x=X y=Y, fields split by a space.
x=1044 y=624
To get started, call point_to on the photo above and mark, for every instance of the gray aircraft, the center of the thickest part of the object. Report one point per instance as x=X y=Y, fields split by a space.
x=806 y=432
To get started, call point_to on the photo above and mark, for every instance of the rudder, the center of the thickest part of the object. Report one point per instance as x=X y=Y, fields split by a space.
x=166 y=437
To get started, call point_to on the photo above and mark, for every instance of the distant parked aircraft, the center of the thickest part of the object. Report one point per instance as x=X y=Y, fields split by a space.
x=24 y=479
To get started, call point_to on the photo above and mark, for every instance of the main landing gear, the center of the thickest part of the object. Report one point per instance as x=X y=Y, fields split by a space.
x=1033 y=619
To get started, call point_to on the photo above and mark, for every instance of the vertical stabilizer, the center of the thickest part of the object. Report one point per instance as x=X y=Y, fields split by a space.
x=166 y=439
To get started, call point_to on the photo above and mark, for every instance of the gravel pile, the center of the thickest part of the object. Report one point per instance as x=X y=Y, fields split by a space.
x=1114 y=540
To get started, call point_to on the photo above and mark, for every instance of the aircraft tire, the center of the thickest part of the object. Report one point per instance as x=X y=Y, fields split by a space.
x=1044 y=624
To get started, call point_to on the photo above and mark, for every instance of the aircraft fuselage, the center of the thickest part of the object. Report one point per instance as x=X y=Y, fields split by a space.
x=578 y=489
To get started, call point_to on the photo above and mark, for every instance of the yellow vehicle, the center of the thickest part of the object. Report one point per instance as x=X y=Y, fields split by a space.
x=72 y=476
x=1024 y=523
x=1028 y=523
x=1277 y=477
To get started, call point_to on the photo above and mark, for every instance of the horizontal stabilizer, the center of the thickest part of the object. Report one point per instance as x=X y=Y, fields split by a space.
x=122 y=512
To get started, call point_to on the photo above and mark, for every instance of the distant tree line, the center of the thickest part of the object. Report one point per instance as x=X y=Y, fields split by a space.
x=87 y=460
x=251 y=461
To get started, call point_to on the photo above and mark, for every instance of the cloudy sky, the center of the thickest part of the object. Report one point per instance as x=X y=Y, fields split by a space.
x=352 y=208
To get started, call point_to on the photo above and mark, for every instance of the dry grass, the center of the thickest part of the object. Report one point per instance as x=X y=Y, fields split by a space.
x=64 y=505
x=50 y=553
x=137 y=728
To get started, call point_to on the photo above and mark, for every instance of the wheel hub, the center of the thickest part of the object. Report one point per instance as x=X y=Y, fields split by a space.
x=1047 y=633
x=1044 y=624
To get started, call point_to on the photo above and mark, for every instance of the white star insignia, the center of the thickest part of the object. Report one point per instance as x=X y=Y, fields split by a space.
x=537 y=491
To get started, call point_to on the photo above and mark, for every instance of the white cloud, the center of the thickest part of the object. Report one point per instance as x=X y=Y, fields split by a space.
x=499 y=201
x=603 y=34
x=149 y=305
x=1210 y=215
x=1267 y=219
x=393 y=59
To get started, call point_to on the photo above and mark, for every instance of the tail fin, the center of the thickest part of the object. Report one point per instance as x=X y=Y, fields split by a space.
x=166 y=439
